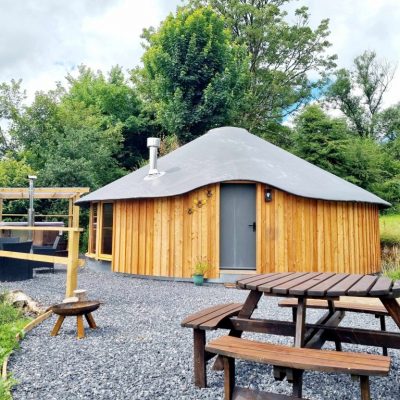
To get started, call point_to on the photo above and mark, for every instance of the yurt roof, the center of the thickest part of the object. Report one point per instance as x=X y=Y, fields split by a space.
x=226 y=154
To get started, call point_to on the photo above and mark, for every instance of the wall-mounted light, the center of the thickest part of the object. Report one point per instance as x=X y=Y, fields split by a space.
x=209 y=193
x=267 y=195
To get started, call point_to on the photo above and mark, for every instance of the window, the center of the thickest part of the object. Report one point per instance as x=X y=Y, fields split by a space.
x=93 y=229
x=106 y=228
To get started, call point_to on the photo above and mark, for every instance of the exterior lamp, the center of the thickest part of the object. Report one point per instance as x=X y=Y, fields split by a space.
x=267 y=195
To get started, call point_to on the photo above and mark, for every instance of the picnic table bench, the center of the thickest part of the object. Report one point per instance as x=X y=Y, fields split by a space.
x=349 y=304
x=211 y=318
x=298 y=359
x=314 y=290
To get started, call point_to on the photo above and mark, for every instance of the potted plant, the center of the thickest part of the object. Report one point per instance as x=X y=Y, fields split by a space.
x=200 y=269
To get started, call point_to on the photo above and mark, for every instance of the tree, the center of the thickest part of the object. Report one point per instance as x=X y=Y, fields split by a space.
x=321 y=140
x=14 y=173
x=192 y=76
x=282 y=57
x=359 y=93
x=118 y=102
x=67 y=142
x=330 y=144
x=11 y=102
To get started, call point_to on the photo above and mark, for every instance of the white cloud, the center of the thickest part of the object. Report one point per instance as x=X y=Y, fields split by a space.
x=359 y=25
x=42 y=40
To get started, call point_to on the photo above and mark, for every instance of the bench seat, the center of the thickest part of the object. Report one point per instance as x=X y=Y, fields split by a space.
x=240 y=393
x=358 y=364
x=212 y=318
x=367 y=306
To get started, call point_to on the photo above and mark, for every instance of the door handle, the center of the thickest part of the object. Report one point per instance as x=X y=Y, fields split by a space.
x=253 y=225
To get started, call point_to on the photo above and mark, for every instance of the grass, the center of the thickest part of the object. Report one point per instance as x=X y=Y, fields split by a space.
x=390 y=229
x=390 y=239
x=11 y=322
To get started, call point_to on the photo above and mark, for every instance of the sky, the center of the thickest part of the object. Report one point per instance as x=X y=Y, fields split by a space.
x=41 y=41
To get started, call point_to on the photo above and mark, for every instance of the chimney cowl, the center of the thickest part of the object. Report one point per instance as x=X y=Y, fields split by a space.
x=153 y=144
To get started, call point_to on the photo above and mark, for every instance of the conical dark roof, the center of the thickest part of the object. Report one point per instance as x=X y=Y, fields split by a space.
x=230 y=153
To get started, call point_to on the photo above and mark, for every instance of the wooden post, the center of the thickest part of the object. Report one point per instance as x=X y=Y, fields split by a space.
x=200 y=363
x=299 y=342
x=70 y=216
x=365 y=391
x=75 y=213
x=229 y=377
x=73 y=262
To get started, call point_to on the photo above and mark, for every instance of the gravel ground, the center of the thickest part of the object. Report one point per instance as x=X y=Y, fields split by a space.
x=141 y=352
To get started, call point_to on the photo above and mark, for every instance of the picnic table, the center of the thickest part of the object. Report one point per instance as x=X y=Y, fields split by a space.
x=305 y=288
x=326 y=286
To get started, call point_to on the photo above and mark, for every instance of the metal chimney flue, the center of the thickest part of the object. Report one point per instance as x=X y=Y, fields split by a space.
x=153 y=144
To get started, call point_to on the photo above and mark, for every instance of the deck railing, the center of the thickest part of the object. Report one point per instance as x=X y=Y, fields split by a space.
x=72 y=261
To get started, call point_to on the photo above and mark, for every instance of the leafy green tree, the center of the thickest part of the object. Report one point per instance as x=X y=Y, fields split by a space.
x=282 y=55
x=115 y=99
x=84 y=152
x=388 y=123
x=192 y=76
x=14 y=173
x=67 y=142
x=330 y=144
x=321 y=140
x=359 y=93
x=11 y=103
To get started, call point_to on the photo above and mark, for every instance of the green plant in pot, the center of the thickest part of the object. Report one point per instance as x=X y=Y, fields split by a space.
x=200 y=269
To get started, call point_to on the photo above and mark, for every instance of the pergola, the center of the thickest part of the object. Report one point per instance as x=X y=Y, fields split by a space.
x=69 y=193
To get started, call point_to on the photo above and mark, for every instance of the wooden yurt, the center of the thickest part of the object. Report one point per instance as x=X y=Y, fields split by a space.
x=239 y=203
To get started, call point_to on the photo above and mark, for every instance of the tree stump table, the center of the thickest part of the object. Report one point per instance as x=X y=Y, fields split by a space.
x=78 y=310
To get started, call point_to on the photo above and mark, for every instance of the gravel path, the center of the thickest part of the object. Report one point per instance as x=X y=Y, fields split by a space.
x=141 y=352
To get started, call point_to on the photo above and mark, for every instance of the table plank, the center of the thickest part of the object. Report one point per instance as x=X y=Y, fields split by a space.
x=255 y=284
x=381 y=287
x=362 y=287
x=284 y=287
x=243 y=282
x=341 y=288
x=396 y=288
x=301 y=289
x=323 y=287
x=267 y=287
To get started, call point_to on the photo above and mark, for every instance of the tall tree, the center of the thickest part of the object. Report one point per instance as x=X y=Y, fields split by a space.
x=11 y=104
x=67 y=142
x=282 y=57
x=192 y=75
x=115 y=98
x=359 y=93
x=321 y=140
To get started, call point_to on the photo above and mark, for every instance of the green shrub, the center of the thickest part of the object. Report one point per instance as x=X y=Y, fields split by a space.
x=5 y=388
x=12 y=321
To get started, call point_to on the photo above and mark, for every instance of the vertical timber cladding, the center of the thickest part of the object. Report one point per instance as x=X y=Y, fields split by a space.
x=167 y=236
x=300 y=234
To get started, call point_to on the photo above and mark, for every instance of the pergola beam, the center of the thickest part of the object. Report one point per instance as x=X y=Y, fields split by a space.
x=42 y=193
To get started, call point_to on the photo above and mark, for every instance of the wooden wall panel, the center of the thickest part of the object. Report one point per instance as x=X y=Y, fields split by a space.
x=299 y=234
x=159 y=237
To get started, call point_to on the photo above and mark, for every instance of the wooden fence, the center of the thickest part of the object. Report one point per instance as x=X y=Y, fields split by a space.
x=72 y=261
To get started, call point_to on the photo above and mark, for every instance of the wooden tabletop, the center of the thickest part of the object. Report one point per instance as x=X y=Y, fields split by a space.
x=315 y=284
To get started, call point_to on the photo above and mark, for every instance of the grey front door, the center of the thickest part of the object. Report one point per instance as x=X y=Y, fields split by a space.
x=238 y=226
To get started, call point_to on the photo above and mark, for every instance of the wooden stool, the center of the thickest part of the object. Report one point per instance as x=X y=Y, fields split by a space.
x=79 y=323
x=78 y=310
